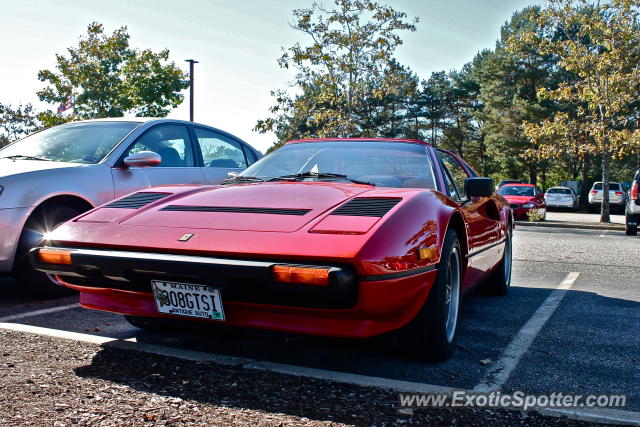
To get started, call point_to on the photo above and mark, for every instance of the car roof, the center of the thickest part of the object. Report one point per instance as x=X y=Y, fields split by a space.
x=414 y=141
x=515 y=184
x=559 y=186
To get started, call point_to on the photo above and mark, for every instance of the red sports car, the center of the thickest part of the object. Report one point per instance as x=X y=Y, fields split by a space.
x=339 y=237
x=523 y=198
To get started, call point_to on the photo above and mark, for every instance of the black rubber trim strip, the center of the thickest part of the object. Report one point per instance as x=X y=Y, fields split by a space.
x=493 y=245
x=232 y=209
x=137 y=200
x=398 y=275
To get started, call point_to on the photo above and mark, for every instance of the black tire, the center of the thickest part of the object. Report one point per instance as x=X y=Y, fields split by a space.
x=630 y=230
x=499 y=282
x=431 y=336
x=36 y=283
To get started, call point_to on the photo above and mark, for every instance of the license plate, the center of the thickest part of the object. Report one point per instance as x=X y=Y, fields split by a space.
x=187 y=299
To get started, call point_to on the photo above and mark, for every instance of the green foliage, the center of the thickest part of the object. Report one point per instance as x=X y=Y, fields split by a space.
x=347 y=80
x=105 y=77
x=597 y=43
x=16 y=123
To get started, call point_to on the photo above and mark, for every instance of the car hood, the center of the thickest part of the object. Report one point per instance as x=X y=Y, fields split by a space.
x=519 y=199
x=10 y=167
x=277 y=206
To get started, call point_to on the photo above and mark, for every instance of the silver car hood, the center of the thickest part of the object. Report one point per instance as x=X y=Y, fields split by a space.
x=10 y=167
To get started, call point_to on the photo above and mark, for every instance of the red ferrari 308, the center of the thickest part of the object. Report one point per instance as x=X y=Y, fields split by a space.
x=338 y=237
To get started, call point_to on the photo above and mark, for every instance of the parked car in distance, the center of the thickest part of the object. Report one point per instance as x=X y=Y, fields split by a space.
x=561 y=197
x=523 y=198
x=344 y=238
x=632 y=211
x=511 y=181
x=56 y=174
x=617 y=196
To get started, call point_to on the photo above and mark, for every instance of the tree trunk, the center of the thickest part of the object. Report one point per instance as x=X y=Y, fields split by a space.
x=606 y=163
x=533 y=174
x=584 y=191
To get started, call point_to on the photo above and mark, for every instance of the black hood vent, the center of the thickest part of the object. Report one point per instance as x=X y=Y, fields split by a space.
x=232 y=209
x=137 y=200
x=367 y=206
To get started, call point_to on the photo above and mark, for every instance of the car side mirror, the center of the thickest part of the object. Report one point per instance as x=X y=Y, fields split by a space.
x=143 y=159
x=478 y=186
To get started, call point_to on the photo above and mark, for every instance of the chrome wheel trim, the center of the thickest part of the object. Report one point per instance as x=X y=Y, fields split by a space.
x=452 y=294
x=507 y=260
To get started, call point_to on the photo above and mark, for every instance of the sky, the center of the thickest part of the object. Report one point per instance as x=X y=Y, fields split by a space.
x=237 y=44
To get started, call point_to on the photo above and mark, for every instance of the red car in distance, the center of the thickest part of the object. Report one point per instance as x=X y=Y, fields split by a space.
x=523 y=198
x=341 y=237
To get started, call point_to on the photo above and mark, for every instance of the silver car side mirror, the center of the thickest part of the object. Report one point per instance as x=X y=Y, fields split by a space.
x=143 y=159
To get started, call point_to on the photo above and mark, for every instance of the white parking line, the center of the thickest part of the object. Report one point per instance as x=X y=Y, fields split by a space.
x=592 y=415
x=511 y=355
x=38 y=312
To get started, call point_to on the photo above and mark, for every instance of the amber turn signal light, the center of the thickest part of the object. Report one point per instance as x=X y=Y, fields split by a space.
x=304 y=275
x=54 y=256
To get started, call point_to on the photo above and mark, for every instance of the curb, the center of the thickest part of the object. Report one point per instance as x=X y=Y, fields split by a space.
x=576 y=225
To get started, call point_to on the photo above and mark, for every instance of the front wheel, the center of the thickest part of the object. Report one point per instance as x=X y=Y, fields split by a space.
x=39 y=284
x=431 y=334
x=631 y=225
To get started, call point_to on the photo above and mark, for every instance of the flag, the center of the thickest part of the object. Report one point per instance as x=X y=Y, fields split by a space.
x=66 y=104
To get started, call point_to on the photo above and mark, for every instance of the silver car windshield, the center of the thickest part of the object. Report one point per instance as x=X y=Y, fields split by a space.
x=74 y=142
x=381 y=163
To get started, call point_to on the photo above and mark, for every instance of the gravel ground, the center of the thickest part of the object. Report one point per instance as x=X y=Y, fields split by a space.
x=46 y=381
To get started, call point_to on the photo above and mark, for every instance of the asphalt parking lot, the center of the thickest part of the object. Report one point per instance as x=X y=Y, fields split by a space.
x=580 y=287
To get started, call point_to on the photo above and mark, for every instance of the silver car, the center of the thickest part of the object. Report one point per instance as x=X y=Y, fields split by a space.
x=617 y=196
x=54 y=175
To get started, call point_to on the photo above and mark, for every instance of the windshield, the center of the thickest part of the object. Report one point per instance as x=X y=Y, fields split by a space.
x=559 y=191
x=381 y=163
x=509 y=190
x=73 y=142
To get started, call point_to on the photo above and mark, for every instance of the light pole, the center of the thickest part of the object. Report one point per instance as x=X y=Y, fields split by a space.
x=191 y=62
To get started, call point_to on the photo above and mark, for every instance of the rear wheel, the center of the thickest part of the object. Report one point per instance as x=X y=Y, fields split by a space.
x=631 y=225
x=499 y=282
x=43 y=220
x=431 y=334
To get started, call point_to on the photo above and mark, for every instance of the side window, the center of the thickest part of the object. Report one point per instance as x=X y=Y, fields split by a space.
x=171 y=142
x=453 y=191
x=455 y=169
x=220 y=151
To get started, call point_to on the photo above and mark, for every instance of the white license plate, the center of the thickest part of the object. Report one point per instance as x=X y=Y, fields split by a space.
x=187 y=299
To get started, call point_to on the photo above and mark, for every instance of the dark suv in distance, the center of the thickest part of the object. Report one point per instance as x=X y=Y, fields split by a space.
x=632 y=215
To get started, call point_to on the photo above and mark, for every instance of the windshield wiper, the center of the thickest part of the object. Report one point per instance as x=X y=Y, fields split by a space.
x=241 y=178
x=318 y=175
x=23 y=157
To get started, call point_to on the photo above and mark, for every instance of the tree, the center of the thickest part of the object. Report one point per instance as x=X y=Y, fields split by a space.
x=104 y=77
x=509 y=80
x=345 y=72
x=598 y=43
x=16 y=123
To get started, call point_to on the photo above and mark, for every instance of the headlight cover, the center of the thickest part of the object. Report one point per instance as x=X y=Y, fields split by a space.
x=529 y=205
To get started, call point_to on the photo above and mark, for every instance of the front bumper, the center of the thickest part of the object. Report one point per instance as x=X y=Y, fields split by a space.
x=11 y=223
x=350 y=306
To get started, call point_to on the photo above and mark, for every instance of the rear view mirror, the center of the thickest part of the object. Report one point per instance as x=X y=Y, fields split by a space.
x=142 y=159
x=478 y=186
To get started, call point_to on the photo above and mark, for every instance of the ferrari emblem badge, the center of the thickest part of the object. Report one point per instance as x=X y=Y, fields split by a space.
x=186 y=237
